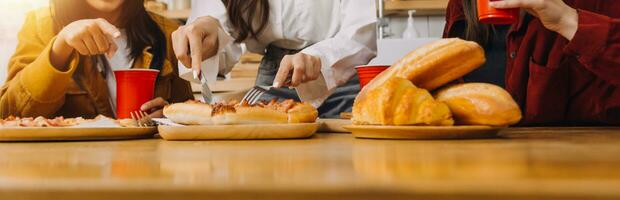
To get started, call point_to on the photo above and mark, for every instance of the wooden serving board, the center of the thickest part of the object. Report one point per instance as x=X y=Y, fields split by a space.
x=73 y=134
x=423 y=132
x=238 y=132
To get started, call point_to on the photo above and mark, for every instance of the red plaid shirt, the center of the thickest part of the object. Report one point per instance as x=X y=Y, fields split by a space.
x=556 y=81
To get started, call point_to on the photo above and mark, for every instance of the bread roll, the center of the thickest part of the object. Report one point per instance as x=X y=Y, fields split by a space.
x=435 y=64
x=189 y=113
x=480 y=104
x=196 y=113
x=399 y=102
x=273 y=112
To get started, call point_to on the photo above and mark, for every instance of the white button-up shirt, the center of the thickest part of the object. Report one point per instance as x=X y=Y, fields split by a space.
x=342 y=33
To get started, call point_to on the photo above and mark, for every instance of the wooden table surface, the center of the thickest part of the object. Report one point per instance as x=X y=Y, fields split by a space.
x=523 y=163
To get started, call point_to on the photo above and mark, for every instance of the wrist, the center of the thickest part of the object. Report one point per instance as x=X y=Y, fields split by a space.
x=60 y=54
x=569 y=23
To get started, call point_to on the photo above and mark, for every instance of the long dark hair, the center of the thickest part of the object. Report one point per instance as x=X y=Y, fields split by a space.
x=475 y=31
x=141 y=29
x=241 y=14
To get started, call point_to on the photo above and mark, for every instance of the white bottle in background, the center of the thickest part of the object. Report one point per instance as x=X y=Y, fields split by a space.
x=410 y=32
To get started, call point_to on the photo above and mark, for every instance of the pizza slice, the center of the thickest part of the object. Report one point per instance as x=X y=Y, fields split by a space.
x=41 y=122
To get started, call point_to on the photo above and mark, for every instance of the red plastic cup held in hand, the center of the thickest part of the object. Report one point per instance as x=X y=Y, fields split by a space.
x=490 y=15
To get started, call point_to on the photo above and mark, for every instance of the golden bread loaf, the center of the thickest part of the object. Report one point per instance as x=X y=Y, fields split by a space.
x=392 y=98
x=435 y=64
x=480 y=104
x=399 y=102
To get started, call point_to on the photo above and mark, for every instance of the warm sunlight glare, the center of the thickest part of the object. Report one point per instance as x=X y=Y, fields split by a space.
x=12 y=13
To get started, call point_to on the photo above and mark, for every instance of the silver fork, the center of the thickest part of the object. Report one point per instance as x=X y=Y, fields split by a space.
x=255 y=93
x=142 y=119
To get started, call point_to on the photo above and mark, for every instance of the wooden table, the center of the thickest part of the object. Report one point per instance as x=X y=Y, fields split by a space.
x=523 y=163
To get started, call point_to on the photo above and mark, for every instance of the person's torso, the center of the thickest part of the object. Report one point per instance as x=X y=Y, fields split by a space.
x=552 y=86
x=88 y=93
x=121 y=60
x=493 y=70
x=296 y=24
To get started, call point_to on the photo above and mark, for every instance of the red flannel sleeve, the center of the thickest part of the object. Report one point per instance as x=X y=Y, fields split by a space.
x=597 y=45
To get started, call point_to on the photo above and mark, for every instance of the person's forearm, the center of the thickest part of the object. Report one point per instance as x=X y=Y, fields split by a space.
x=60 y=54
x=596 y=44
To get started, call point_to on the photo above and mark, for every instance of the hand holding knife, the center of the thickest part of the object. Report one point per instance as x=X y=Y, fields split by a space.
x=195 y=42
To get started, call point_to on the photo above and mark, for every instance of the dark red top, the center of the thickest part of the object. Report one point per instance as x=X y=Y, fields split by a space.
x=556 y=81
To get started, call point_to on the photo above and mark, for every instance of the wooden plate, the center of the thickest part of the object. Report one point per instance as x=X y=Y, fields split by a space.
x=423 y=132
x=72 y=134
x=238 y=132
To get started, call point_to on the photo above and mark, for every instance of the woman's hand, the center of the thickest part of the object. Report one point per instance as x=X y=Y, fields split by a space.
x=155 y=107
x=87 y=37
x=196 y=42
x=305 y=68
x=554 y=14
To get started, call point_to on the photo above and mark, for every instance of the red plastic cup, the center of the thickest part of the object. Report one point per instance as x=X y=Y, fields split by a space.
x=490 y=15
x=368 y=72
x=134 y=87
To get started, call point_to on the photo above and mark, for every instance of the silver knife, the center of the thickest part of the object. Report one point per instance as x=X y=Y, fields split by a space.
x=207 y=95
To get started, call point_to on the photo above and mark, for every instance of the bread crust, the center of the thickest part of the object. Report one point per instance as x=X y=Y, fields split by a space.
x=393 y=97
x=435 y=64
x=229 y=113
x=399 y=102
x=480 y=104
x=189 y=113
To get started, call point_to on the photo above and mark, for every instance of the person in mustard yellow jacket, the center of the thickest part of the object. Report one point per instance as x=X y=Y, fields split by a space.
x=63 y=61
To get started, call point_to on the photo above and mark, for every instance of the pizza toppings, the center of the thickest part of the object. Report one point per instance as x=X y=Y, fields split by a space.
x=41 y=122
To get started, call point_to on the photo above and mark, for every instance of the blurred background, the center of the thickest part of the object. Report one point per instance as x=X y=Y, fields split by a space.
x=428 y=21
x=12 y=14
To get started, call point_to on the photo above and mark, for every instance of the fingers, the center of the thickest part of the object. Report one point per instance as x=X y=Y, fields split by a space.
x=108 y=28
x=285 y=67
x=187 y=46
x=110 y=32
x=195 y=46
x=157 y=114
x=79 y=46
x=112 y=49
x=304 y=68
x=154 y=104
x=180 y=45
x=90 y=45
x=299 y=70
x=101 y=41
x=314 y=68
